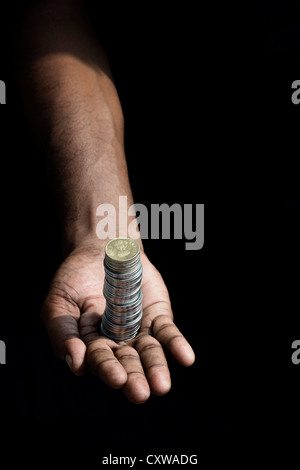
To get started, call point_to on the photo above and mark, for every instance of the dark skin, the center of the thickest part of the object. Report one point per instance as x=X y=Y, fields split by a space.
x=74 y=111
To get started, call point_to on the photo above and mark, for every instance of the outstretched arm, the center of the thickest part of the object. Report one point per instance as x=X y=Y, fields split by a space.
x=74 y=111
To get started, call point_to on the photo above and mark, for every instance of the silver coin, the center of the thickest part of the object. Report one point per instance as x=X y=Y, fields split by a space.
x=122 y=290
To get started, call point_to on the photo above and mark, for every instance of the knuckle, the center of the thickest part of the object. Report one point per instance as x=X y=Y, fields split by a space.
x=162 y=323
x=126 y=352
x=97 y=346
x=98 y=358
x=172 y=341
x=162 y=320
x=146 y=342
x=157 y=366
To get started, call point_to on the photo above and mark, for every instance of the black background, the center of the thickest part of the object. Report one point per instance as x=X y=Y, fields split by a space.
x=209 y=119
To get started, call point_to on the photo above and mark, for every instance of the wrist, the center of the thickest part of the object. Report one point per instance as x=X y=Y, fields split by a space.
x=77 y=235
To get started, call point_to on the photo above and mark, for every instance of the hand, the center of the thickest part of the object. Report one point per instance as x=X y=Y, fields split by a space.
x=72 y=314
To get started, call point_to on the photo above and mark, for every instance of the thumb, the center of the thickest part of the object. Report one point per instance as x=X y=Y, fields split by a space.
x=74 y=351
x=62 y=328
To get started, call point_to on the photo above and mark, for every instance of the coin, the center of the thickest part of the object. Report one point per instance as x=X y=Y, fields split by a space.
x=122 y=249
x=123 y=313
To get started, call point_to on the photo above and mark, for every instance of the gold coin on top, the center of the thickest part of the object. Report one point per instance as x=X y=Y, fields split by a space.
x=122 y=249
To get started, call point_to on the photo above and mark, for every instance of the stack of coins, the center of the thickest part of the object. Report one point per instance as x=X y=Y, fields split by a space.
x=121 y=320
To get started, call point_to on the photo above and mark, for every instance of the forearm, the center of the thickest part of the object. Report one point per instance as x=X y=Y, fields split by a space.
x=74 y=111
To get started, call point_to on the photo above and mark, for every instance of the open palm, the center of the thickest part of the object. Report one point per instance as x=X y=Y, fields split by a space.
x=72 y=314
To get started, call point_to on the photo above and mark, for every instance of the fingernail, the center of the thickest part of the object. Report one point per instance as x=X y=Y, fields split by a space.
x=68 y=360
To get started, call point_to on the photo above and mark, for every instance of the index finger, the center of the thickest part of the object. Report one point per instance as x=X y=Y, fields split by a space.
x=103 y=362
